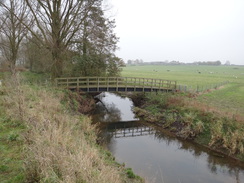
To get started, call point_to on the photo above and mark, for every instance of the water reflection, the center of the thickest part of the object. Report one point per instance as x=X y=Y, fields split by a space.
x=112 y=108
x=159 y=157
x=153 y=154
x=128 y=129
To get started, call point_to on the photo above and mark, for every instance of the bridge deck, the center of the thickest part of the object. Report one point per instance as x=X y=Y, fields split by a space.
x=116 y=84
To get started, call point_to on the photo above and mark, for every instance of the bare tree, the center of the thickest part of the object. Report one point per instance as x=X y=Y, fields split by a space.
x=13 y=13
x=58 y=22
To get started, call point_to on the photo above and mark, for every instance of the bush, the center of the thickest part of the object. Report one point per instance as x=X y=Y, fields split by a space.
x=130 y=173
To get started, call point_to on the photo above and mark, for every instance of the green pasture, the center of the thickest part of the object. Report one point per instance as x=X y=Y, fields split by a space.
x=190 y=75
x=229 y=98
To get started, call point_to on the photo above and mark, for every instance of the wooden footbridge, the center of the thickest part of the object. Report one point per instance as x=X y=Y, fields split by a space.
x=116 y=84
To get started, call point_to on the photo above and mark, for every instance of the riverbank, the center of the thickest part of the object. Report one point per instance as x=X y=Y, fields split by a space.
x=185 y=117
x=47 y=141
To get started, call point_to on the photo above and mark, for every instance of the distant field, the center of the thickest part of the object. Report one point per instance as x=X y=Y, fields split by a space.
x=188 y=75
x=229 y=99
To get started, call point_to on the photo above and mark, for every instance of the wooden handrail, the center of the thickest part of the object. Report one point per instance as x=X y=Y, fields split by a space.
x=89 y=82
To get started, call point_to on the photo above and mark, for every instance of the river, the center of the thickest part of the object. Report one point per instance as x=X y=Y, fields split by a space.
x=153 y=153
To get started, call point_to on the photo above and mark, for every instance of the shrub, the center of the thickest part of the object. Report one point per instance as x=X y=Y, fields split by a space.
x=130 y=173
x=188 y=118
x=199 y=127
x=216 y=131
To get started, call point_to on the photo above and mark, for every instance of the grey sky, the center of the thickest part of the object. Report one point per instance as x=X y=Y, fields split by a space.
x=182 y=30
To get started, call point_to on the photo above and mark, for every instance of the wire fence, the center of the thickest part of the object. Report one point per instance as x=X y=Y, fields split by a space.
x=200 y=88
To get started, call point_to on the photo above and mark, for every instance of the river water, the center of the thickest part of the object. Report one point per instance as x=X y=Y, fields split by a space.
x=155 y=155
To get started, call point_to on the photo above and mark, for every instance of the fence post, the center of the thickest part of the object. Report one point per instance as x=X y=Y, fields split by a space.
x=87 y=84
x=98 y=83
x=77 y=84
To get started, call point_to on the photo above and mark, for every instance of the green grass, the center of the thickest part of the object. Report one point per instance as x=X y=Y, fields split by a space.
x=188 y=75
x=11 y=147
x=229 y=98
x=36 y=78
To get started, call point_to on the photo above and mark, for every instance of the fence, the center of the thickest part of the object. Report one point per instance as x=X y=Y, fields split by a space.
x=198 y=88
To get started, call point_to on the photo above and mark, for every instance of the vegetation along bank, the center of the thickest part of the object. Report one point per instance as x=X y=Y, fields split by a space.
x=187 y=118
x=44 y=140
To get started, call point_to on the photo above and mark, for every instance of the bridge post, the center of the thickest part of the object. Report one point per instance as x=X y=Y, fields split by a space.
x=143 y=85
x=77 y=84
x=159 y=86
x=117 y=84
x=134 y=84
x=170 y=86
x=87 y=82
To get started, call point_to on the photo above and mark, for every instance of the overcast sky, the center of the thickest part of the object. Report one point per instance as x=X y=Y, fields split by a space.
x=181 y=30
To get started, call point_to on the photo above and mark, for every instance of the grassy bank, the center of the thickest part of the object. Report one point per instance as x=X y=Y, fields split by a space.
x=11 y=148
x=187 y=118
x=228 y=99
x=44 y=140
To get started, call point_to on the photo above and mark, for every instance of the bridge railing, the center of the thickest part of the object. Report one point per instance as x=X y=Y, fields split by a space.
x=88 y=82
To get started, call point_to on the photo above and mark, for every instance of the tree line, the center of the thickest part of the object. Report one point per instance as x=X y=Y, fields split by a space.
x=61 y=37
x=208 y=63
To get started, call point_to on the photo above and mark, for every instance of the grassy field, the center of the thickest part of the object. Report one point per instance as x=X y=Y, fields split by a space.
x=229 y=98
x=188 y=74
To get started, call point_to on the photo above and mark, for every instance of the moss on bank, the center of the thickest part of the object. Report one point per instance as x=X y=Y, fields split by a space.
x=188 y=119
x=51 y=143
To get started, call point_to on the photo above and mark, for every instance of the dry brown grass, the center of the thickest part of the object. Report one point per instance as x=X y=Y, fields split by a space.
x=194 y=104
x=60 y=147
